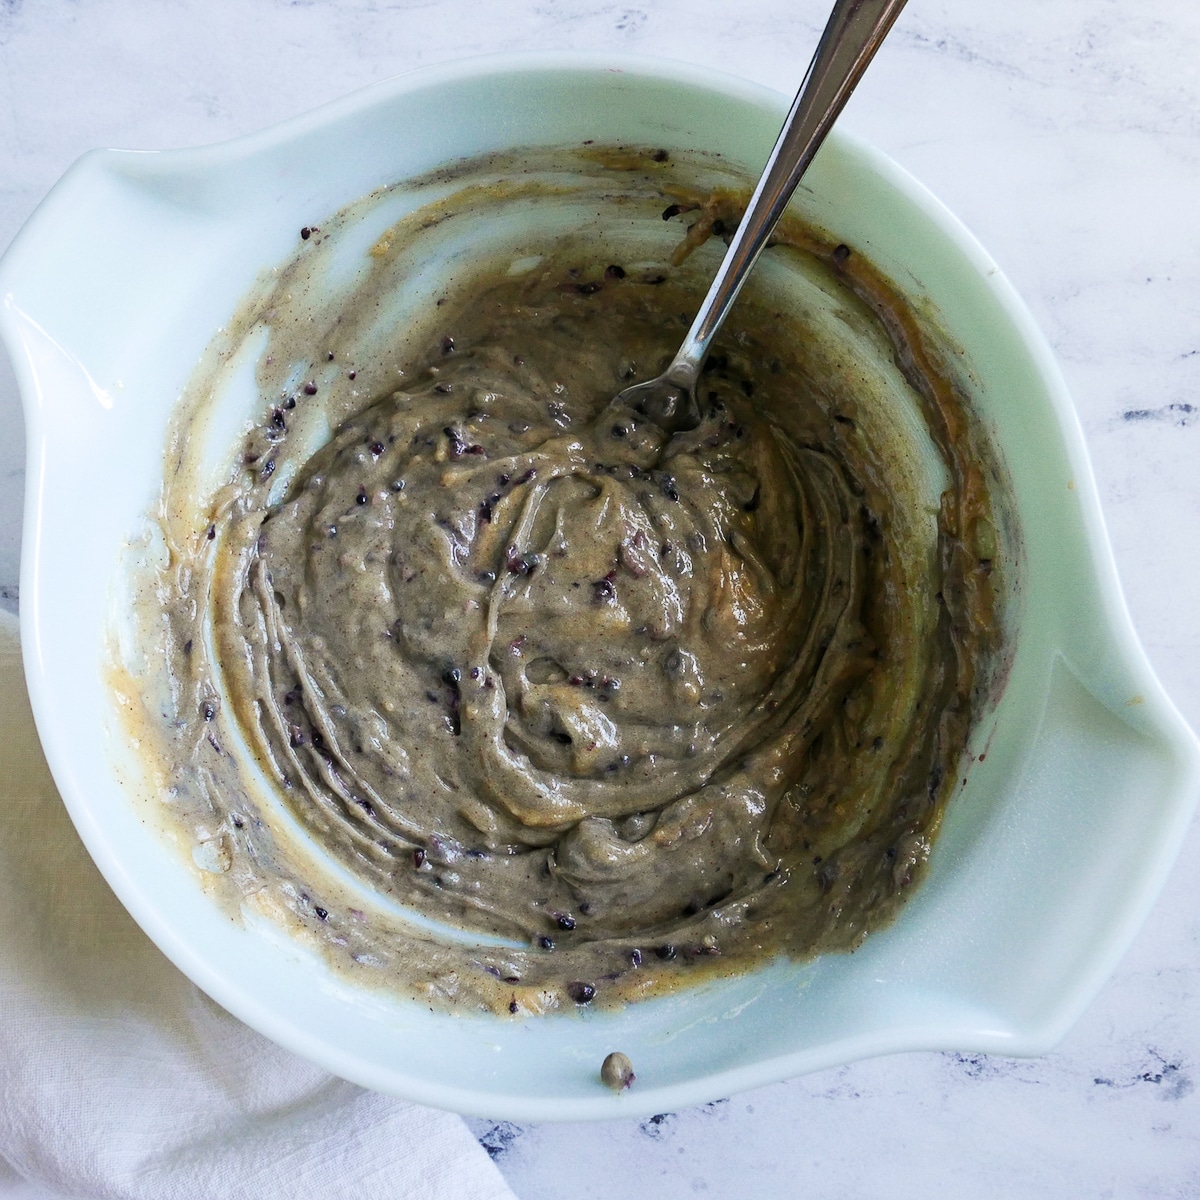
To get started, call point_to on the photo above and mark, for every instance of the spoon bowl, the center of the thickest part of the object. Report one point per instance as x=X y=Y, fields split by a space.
x=854 y=32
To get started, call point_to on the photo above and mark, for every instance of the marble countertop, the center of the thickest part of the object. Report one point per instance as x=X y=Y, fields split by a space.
x=1067 y=136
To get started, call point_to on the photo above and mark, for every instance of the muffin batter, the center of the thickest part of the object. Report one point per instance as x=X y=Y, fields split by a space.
x=609 y=708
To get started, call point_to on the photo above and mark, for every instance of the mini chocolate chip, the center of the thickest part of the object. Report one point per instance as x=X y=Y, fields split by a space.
x=581 y=993
x=323 y=913
x=521 y=564
x=666 y=953
x=310 y=388
x=614 y=272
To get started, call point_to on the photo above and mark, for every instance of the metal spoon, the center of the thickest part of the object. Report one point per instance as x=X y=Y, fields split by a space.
x=856 y=29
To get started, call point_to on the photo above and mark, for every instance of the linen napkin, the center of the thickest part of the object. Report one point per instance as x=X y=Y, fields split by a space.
x=120 y=1080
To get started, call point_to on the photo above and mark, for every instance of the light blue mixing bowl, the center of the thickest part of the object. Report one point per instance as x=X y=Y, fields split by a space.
x=1051 y=852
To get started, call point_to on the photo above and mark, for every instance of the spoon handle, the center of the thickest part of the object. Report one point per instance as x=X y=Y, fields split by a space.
x=855 y=31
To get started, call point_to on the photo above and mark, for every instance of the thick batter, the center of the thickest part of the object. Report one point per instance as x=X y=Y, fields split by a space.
x=634 y=706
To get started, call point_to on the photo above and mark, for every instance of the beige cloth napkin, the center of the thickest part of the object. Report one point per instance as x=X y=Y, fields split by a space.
x=120 y=1080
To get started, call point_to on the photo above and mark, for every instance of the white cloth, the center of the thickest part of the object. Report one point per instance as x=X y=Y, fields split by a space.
x=120 y=1080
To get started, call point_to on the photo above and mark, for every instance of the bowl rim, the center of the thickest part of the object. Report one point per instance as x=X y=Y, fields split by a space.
x=1119 y=628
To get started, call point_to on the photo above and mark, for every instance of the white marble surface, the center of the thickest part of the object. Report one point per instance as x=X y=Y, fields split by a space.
x=1067 y=135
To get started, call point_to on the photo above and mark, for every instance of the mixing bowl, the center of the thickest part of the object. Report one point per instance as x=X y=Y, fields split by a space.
x=1057 y=840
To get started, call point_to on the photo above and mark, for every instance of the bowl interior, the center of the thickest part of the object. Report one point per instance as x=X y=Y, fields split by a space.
x=1061 y=831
